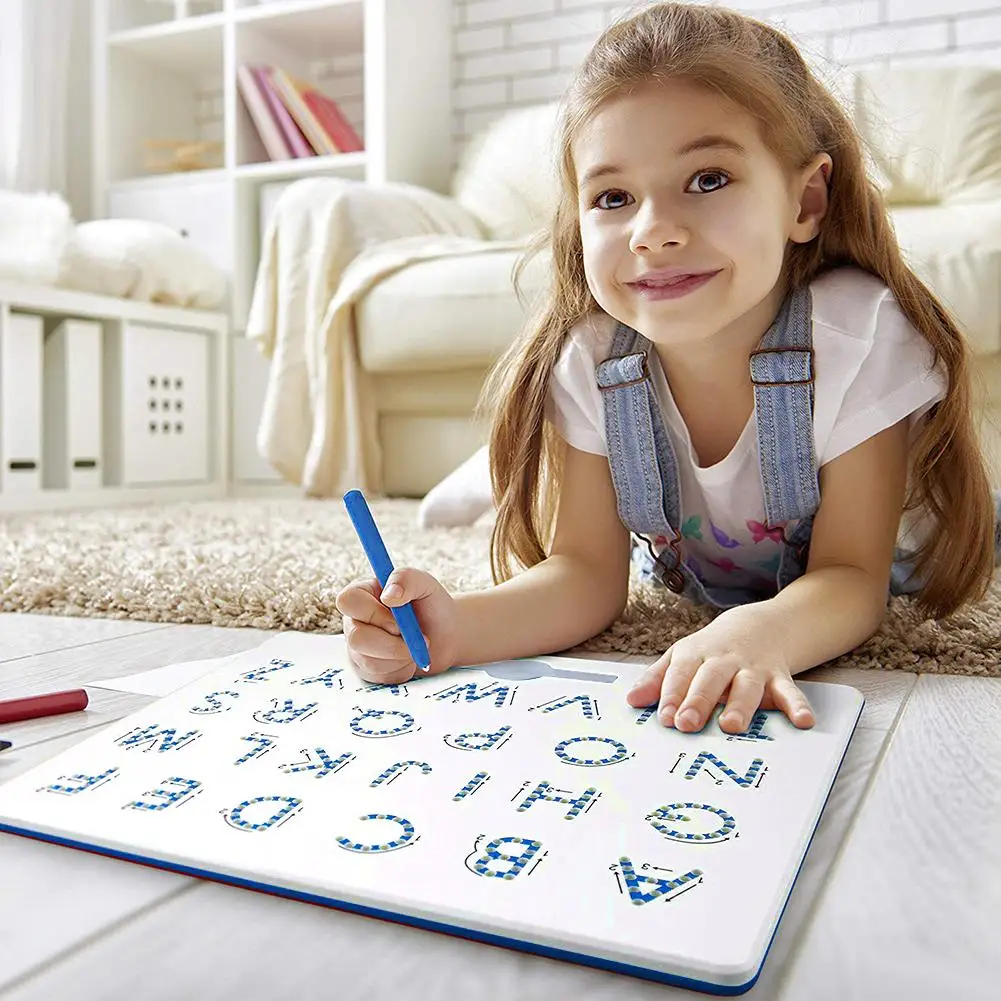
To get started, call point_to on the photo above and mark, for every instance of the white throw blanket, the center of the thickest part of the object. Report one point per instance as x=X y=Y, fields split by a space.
x=329 y=242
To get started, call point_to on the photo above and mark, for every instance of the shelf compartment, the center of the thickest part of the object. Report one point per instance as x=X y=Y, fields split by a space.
x=163 y=97
x=305 y=38
x=189 y=47
x=127 y=14
x=312 y=29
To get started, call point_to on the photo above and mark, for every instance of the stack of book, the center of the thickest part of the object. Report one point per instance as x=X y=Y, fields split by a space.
x=293 y=118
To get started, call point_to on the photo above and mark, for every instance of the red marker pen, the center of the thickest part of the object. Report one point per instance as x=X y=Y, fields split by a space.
x=34 y=706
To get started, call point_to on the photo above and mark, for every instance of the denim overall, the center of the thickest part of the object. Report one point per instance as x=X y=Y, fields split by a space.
x=645 y=467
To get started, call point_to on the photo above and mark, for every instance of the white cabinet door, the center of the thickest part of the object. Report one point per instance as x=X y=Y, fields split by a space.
x=164 y=406
x=200 y=210
x=20 y=401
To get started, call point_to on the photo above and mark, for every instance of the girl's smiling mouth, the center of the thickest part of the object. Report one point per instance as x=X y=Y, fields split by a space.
x=670 y=284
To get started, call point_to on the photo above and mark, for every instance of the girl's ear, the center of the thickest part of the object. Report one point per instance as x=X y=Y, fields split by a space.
x=811 y=189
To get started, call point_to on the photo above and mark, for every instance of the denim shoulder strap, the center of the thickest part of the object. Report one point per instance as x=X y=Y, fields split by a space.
x=782 y=373
x=636 y=436
x=641 y=457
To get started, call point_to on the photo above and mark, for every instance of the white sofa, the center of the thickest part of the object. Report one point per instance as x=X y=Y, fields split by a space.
x=428 y=333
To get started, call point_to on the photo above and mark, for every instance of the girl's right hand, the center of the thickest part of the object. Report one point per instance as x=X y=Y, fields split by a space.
x=374 y=642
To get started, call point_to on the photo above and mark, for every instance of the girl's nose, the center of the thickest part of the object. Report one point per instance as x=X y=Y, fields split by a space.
x=654 y=229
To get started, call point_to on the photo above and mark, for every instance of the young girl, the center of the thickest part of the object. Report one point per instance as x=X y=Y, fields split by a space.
x=735 y=366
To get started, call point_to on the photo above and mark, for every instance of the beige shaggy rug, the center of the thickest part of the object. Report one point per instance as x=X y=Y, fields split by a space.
x=279 y=565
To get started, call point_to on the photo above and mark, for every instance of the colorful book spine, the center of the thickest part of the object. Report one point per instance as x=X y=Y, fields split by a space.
x=298 y=109
x=332 y=119
x=321 y=121
x=294 y=137
x=260 y=114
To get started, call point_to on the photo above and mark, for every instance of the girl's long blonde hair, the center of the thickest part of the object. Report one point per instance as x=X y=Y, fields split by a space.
x=760 y=70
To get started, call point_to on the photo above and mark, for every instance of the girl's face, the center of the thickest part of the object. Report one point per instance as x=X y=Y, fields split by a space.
x=685 y=214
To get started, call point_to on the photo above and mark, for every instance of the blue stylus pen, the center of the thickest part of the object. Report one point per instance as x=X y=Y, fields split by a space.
x=382 y=567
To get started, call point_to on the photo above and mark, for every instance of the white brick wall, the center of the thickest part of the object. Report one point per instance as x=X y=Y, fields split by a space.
x=343 y=79
x=208 y=115
x=516 y=52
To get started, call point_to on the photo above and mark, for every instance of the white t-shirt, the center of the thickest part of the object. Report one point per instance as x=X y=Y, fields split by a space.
x=872 y=368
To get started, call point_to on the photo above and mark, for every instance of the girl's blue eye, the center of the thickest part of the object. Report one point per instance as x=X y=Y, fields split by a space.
x=717 y=178
x=614 y=194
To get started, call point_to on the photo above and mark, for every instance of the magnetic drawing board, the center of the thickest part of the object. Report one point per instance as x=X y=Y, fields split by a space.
x=524 y=804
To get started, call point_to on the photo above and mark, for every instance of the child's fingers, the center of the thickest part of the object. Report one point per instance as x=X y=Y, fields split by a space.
x=376 y=660
x=646 y=688
x=704 y=693
x=383 y=672
x=677 y=680
x=746 y=691
x=788 y=697
x=360 y=601
x=374 y=641
x=407 y=584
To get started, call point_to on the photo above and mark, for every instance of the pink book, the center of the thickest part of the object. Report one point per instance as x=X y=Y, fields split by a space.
x=332 y=119
x=260 y=114
x=293 y=136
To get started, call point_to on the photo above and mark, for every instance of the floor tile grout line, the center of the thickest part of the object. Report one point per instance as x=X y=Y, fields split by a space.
x=884 y=750
x=154 y=628
x=853 y=820
x=51 y=963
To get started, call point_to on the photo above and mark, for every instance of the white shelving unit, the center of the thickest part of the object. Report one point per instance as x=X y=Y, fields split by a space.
x=166 y=70
x=154 y=395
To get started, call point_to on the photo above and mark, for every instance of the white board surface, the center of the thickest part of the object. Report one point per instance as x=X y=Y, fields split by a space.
x=542 y=813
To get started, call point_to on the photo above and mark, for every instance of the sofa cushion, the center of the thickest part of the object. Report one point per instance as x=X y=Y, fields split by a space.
x=447 y=313
x=988 y=375
x=412 y=393
x=956 y=251
x=989 y=372
x=507 y=178
x=933 y=132
x=420 y=451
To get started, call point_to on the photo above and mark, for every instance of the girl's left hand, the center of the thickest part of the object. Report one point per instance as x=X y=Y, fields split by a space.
x=730 y=660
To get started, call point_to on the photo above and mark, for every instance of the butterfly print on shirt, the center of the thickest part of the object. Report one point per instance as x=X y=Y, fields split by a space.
x=761 y=532
x=722 y=538
x=725 y=564
x=692 y=528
